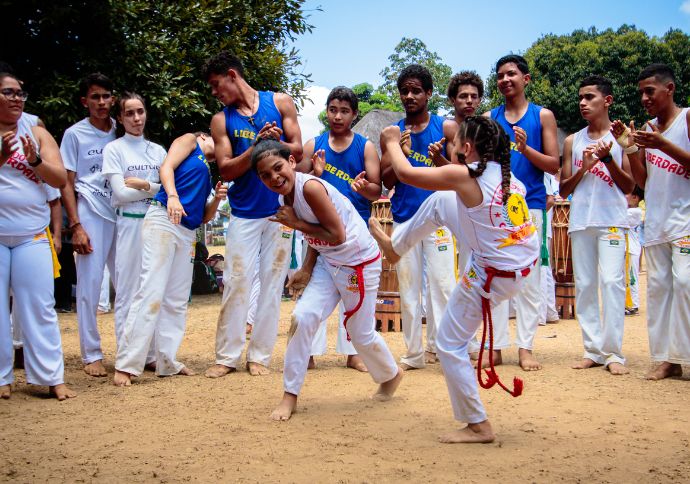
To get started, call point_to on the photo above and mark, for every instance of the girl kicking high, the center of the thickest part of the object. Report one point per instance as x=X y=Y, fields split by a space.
x=342 y=262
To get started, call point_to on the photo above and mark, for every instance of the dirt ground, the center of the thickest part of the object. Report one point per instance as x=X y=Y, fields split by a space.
x=572 y=426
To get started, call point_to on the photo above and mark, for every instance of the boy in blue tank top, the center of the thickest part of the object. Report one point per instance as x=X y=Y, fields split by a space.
x=420 y=130
x=249 y=115
x=534 y=150
x=349 y=162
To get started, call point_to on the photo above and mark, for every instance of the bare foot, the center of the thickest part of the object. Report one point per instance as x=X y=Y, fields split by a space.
x=312 y=363
x=384 y=241
x=474 y=356
x=122 y=379
x=527 y=360
x=150 y=366
x=218 y=370
x=62 y=392
x=186 y=371
x=498 y=360
x=617 y=369
x=95 y=368
x=388 y=388
x=248 y=329
x=584 y=364
x=665 y=370
x=479 y=433
x=257 y=369
x=284 y=410
x=355 y=362
x=5 y=391
x=407 y=367
x=430 y=358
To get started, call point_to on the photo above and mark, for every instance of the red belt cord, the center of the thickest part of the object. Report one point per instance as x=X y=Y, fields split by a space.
x=359 y=270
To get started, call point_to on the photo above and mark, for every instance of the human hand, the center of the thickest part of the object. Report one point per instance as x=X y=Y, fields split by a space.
x=360 y=182
x=29 y=149
x=80 y=240
x=221 y=191
x=318 y=161
x=520 y=138
x=298 y=282
x=137 y=183
x=436 y=150
x=175 y=210
x=406 y=142
x=286 y=215
x=649 y=139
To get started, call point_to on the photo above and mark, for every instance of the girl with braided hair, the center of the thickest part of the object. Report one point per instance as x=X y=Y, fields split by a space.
x=492 y=218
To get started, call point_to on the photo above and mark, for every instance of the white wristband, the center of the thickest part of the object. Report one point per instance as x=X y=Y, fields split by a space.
x=631 y=149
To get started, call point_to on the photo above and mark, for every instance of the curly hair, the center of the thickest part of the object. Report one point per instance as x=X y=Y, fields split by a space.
x=415 y=71
x=491 y=143
x=465 y=78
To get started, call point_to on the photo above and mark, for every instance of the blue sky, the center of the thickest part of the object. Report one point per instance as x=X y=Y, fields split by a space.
x=352 y=39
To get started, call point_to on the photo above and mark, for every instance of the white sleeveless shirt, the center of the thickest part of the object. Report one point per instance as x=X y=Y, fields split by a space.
x=23 y=202
x=597 y=200
x=502 y=237
x=359 y=245
x=667 y=189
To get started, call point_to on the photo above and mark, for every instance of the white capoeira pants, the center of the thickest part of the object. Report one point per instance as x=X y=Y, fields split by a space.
x=460 y=322
x=343 y=346
x=599 y=258
x=27 y=270
x=246 y=239
x=329 y=285
x=668 y=301
x=102 y=233
x=104 y=297
x=159 y=306
x=254 y=294
x=548 y=312
x=634 y=279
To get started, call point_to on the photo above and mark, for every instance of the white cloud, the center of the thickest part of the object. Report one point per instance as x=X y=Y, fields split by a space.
x=685 y=7
x=309 y=114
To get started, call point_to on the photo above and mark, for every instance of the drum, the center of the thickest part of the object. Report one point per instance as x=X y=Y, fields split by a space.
x=563 y=261
x=388 y=298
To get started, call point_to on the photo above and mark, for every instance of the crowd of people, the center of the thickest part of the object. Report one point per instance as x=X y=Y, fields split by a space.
x=475 y=188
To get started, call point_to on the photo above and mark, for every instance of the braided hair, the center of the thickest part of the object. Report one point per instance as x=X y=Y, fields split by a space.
x=491 y=143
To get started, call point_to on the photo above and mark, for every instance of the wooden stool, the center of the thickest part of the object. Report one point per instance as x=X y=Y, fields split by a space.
x=388 y=311
x=565 y=299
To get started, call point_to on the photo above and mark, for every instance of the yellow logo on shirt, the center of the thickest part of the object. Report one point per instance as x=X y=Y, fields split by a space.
x=517 y=214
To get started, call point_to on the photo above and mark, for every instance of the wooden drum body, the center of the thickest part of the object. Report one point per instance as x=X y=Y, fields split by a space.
x=388 y=297
x=563 y=260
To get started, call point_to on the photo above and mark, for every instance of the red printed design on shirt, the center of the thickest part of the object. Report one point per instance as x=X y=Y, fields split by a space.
x=18 y=162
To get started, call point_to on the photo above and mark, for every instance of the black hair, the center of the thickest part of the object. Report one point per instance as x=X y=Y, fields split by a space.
x=4 y=74
x=518 y=60
x=661 y=72
x=94 y=79
x=5 y=68
x=268 y=147
x=638 y=192
x=415 y=71
x=342 y=93
x=465 y=78
x=600 y=82
x=491 y=143
x=220 y=63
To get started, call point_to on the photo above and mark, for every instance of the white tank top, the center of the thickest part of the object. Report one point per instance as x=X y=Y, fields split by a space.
x=359 y=245
x=667 y=189
x=23 y=203
x=597 y=201
x=502 y=237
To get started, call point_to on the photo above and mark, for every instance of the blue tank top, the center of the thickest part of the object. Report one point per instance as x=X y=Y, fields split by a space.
x=248 y=196
x=193 y=185
x=523 y=169
x=407 y=199
x=342 y=168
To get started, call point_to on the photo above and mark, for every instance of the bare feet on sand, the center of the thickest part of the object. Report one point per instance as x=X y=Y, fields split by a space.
x=312 y=363
x=584 y=364
x=617 y=369
x=527 y=360
x=257 y=369
x=498 y=359
x=62 y=392
x=95 y=368
x=5 y=391
x=430 y=358
x=384 y=241
x=150 y=366
x=122 y=379
x=388 y=388
x=284 y=410
x=479 y=433
x=218 y=370
x=355 y=362
x=186 y=372
x=664 y=370
x=407 y=367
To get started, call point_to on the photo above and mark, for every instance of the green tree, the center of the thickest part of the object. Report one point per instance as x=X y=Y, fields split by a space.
x=559 y=62
x=368 y=98
x=153 y=47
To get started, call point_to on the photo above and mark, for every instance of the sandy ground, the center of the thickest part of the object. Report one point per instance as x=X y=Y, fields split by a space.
x=572 y=426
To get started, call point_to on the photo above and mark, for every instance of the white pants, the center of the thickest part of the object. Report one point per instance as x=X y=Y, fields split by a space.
x=343 y=346
x=634 y=279
x=159 y=305
x=668 y=301
x=460 y=322
x=104 y=297
x=599 y=258
x=27 y=270
x=254 y=294
x=246 y=239
x=329 y=285
x=102 y=234
x=17 y=338
x=548 y=311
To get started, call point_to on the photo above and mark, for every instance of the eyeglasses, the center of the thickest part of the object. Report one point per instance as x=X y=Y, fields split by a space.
x=12 y=94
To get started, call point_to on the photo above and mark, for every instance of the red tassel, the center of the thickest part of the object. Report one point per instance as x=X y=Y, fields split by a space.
x=518 y=386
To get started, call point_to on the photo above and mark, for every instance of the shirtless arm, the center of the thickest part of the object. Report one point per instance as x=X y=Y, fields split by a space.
x=387 y=173
x=305 y=165
x=372 y=166
x=291 y=129
x=229 y=167
x=548 y=159
x=51 y=170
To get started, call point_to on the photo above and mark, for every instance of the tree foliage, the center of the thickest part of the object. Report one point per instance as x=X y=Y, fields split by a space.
x=153 y=47
x=559 y=62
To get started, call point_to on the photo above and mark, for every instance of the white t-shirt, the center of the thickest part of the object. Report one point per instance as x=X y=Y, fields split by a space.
x=667 y=189
x=82 y=152
x=500 y=236
x=133 y=156
x=551 y=189
x=359 y=245
x=23 y=199
x=597 y=201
